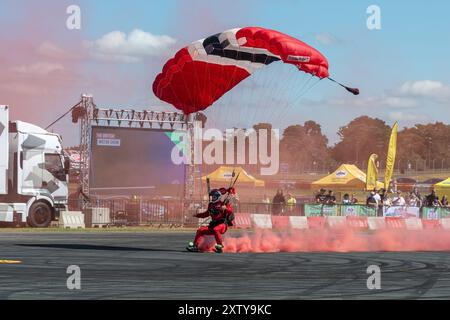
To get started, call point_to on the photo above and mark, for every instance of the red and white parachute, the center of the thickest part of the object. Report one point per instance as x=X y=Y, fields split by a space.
x=205 y=70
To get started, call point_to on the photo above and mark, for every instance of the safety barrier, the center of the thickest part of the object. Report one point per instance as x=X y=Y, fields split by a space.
x=281 y=222
x=298 y=222
x=357 y=222
x=97 y=217
x=264 y=221
x=243 y=221
x=72 y=219
x=178 y=213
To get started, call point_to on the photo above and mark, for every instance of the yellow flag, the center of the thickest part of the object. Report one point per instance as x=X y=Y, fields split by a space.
x=390 y=161
x=372 y=172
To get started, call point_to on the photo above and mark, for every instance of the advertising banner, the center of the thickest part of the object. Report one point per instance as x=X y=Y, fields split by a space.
x=358 y=211
x=314 y=210
x=402 y=211
x=435 y=213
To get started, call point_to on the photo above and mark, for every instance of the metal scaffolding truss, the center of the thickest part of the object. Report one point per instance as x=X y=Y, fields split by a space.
x=91 y=115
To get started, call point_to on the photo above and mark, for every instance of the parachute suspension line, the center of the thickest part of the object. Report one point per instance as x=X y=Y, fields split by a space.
x=306 y=89
x=244 y=111
x=239 y=112
x=252 y=110
x=301 y=82
x=208 y=79
x=300 y=96
x=217 y=88
x=231 y=80
x=285 y=97
x=264 y=96
x=354 y=91
x=267 y=92
x=287 y=93
x=300 y=92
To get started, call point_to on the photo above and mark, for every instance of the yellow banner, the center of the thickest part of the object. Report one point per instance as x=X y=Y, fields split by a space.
x=390 y=161
x=372 y=172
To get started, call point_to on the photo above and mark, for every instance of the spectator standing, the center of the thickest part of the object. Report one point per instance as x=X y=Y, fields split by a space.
x=321 y=197
x=398 y=200
x=266 y=202
x=346 y=199
x=413 y=200
x=278 y=202
x=387 y=202
x=291 y=202
x=418 y=196
x=377 y=196
x=444 y=201
x=432 y=200
x=330 y=199
x=282 y=200
x=371 y=201
x=383 y=196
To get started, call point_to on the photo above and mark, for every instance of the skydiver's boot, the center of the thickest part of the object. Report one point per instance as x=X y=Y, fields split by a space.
x=218 y=248
x=191 y=247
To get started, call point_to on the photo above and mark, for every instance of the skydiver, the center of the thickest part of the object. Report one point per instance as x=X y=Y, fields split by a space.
x=222 y=216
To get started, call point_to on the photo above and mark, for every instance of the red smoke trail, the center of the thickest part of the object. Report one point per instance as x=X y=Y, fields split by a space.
x=338 y=240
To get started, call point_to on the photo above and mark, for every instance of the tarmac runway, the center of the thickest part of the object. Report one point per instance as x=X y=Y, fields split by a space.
x=154 y=265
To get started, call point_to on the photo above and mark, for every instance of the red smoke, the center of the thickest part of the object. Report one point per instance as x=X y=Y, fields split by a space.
x=338 y=240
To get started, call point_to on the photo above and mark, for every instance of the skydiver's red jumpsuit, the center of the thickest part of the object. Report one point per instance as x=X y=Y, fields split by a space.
x=218 y=224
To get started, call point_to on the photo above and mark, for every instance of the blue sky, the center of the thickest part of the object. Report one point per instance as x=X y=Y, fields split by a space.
x=402 y=69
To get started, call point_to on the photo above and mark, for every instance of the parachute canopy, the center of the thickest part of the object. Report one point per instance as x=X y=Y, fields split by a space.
x=205 y=70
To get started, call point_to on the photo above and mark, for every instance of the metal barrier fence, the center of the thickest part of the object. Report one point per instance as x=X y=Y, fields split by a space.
x=137 y=212
x=360 y=210
x=172 y=212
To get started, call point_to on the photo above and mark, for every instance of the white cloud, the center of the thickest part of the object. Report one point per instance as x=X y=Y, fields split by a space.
x=400 y=102
x=408 y=117
x=411 y=94
x=326 y=38
x=373 y=102
x=118 y=46
x=38 y=68
x=425 y=88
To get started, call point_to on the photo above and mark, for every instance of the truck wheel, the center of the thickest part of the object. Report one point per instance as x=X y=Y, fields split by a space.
x=40 y=215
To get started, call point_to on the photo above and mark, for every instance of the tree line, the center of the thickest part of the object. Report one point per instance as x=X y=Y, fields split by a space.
x=303 y=147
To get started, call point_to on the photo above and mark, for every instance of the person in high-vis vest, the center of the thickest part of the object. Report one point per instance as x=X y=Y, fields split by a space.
x=291 y=202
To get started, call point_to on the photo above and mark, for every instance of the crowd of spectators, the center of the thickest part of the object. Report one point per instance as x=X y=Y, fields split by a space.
x=412 y=199
x=380 y=198
x=328 y=198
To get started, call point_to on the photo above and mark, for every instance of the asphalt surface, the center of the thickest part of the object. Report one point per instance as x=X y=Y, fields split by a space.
x=155 y=266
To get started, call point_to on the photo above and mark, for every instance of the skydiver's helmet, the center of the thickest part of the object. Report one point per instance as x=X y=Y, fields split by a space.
x=215 y=195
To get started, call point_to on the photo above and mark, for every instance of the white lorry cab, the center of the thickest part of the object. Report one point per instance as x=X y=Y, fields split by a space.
x=33 y=173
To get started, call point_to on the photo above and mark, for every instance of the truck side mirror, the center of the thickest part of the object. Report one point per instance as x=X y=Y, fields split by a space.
x=66 y=165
